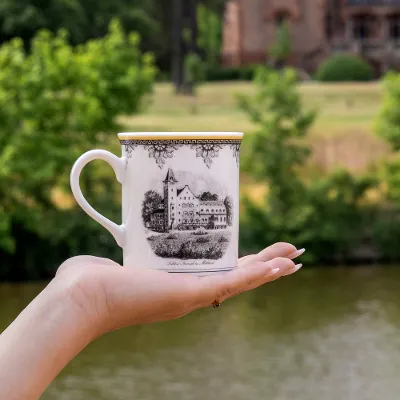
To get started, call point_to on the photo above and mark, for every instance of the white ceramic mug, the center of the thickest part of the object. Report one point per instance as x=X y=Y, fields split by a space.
x=180 y=200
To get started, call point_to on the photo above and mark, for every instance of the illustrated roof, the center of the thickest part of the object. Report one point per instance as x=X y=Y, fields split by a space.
x=170 y=176
x=179 y=191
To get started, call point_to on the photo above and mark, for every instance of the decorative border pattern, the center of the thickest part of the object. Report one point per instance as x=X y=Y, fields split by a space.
x=161 y=150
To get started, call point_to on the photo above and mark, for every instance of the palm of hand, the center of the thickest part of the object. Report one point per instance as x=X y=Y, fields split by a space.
x=111 y=297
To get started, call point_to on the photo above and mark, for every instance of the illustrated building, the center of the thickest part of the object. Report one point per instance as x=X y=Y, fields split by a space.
x=318 y=28
x=182 y=209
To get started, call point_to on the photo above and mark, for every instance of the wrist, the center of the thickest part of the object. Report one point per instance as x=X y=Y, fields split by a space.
x=85 y=315
x=46 y=336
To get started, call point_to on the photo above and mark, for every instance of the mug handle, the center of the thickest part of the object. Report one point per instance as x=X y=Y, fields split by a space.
x=118 y=165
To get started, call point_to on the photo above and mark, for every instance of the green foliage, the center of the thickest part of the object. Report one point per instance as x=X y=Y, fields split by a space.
x=209 y=35
x=386 y=231
x=276 y=151
x=83 y=19
x=329 y=220
x=388 y=121
x=345 y=68
x=56 y=102
x=325 y=215
x=282 y=47
x=194 y=69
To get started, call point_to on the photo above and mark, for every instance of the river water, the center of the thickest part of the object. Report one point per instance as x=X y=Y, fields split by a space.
x=323 y=334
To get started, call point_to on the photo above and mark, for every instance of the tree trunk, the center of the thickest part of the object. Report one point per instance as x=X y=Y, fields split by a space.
x=184 y=17
x=177 y=51
x=190 y=14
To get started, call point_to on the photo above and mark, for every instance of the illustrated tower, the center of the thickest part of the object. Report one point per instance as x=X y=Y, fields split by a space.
x=170 y=194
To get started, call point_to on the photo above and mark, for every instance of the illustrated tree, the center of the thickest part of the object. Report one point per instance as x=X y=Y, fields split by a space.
x=229 y=210
x=208 y=196
x=211 y=222
x=151 y=203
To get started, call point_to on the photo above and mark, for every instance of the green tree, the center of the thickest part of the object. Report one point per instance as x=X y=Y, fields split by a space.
x=209 y=35
x=324 y=214
x=282 y=47
x=56 y=102
x=387 y=126
x=388 y=121
x=83 y=19
x=276 y=150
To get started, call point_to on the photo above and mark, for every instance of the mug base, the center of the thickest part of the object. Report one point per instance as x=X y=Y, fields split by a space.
x=199 y=273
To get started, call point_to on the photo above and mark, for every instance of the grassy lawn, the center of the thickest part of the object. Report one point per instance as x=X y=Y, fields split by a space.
x=188 y=245
x=342 y=135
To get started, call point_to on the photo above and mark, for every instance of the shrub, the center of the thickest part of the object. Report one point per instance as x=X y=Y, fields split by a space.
x=200 y=231
x=231 y=74
x=202 y=240
x=171 y=236
x=166 y=249
x=345 y=68
x=188 y=250
x=214 y=252
x=223 y=239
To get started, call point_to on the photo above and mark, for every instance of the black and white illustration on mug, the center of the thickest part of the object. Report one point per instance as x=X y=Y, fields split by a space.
x=187 y=217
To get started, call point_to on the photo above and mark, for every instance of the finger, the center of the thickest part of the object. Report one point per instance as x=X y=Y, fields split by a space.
x=227 y=285
x=85 y=261
x=293 y=270
x=280 y=249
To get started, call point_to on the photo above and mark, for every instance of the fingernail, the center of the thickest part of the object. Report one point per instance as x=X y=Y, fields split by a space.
x=296 y=254
x=294 y=269
x=275 y=270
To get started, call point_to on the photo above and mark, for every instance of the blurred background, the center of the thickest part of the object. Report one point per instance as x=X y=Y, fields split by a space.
x=315 y=86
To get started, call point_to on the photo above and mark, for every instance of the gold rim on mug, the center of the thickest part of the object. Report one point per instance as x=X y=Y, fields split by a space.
x=142 y=136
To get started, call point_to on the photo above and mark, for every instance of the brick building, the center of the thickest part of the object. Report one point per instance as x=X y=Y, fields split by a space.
x=318 y=28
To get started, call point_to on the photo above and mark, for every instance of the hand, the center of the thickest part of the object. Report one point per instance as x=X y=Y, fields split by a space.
x=111 y=297
x=90 y=296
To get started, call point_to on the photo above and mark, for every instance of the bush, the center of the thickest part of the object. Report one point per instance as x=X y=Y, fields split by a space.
x=200 y=231
x=189 y=250
x=223 y=239
x=345 y=68
x=202 y=240
x=231 y=74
